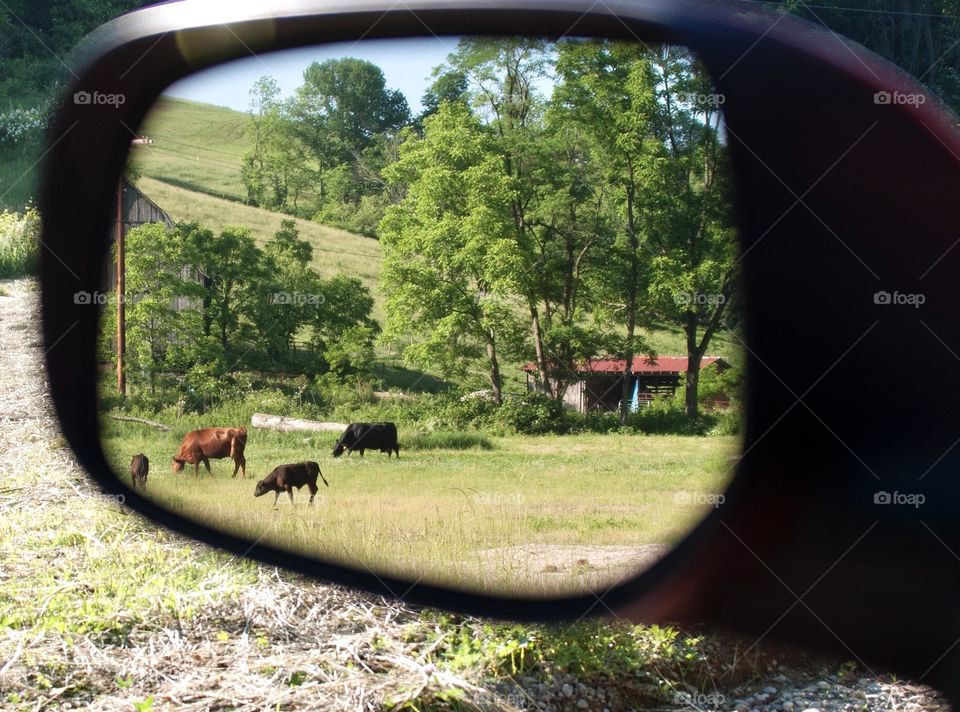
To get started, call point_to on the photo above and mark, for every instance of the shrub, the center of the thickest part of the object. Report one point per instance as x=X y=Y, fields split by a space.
x=21 y=130
x=531 y=414
x=665 y=417
x=19 y=242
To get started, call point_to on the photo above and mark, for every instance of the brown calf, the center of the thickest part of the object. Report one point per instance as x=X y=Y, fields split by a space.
x=139 y=467
x=285 y=477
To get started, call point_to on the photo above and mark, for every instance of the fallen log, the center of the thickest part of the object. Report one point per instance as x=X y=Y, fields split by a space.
x=130 y=419
x=288 y=425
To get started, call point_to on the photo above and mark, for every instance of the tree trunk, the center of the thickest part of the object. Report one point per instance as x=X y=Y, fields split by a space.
x=693 y=366
x=542 y=371
x=631 y=304
x=495 y=381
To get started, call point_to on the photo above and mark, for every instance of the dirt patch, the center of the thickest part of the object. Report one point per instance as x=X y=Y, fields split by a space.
x=564 y=559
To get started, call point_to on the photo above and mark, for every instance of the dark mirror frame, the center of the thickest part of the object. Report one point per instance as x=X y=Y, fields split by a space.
x=839 y=197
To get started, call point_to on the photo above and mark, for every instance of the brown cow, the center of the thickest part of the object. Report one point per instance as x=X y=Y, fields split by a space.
x=139 y=467
x=201 y=445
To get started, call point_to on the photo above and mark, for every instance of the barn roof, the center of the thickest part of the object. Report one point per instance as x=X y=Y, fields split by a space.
x=641 y=364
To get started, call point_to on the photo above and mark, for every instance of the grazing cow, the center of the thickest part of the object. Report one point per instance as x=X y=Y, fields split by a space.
x=201 y=445
x=139 y=467
x=285 y=477
x=368 y=436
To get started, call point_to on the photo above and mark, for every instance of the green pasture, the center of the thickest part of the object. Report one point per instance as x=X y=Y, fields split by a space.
x=456 y=515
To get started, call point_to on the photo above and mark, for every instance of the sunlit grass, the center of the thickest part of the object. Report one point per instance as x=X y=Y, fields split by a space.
x=457 y=515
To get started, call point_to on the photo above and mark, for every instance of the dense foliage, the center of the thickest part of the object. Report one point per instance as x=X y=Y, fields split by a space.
x=201 y=306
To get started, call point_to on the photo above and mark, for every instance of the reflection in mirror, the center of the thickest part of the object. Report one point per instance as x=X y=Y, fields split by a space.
x=459 y=310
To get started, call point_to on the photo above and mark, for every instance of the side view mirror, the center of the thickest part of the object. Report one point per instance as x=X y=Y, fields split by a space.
x=842 y=476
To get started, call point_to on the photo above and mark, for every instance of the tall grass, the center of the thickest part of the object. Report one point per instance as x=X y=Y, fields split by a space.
x=19 y=242
x=448 y=440
x=544 y=513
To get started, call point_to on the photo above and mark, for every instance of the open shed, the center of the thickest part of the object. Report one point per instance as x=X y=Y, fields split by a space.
x=600 y=380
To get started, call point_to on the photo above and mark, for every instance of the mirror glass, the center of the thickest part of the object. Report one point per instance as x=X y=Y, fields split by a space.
x=472 y=302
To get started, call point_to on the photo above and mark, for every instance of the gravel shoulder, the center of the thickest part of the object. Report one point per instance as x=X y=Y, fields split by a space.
x=100 y=610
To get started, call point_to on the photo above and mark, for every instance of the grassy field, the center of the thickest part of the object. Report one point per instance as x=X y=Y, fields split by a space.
x=529 y=513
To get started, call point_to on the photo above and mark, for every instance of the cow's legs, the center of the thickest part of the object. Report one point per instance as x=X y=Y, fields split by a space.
x=240 y=464
x=313 y=491
x=206 y=463
x=276 y=497
x=196 y=469
x=290 y=492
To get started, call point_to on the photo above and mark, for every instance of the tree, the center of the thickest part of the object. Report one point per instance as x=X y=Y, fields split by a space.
x=919 y=37
x=274 y=171
x=233 y=268
x=161 y=309
x=289 y=286
x=448 y=85
x=694 y=274
x=448 y=245
x=341 y=107
x=608 y=90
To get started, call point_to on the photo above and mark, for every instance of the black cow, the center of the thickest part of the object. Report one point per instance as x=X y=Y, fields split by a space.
x=368 y=436
x=139 y=467
x=285 y=477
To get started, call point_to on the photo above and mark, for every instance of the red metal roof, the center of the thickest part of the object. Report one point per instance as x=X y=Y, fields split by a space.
x=641 y=364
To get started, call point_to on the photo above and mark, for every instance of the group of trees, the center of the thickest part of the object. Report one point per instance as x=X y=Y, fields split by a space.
x=320 y=152
x=200 y=305
x=550 y=200
x=554 y=227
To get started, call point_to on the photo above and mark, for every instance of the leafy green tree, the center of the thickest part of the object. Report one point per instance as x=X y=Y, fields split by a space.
x=233 y=269
x=607 y=89
x=448 y=85
x=274 y=171
x=162 y=302
x=287 y=286
x=340 y=109
x=694 y=274
x=448 y=245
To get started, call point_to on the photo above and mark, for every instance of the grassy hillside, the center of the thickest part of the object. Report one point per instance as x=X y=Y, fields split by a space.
x=197 y=146
x=334 y=250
